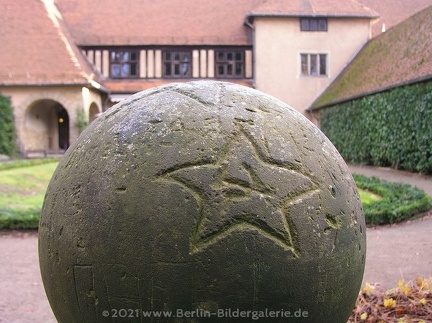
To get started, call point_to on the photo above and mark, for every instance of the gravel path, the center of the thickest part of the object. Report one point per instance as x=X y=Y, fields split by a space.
x=22 y=296
x=402 y=251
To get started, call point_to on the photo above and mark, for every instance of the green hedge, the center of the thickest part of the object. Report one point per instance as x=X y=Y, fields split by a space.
x=399 y=201
x=19 y=219
x=7 y=128
x=392 y=128
x=27 y=162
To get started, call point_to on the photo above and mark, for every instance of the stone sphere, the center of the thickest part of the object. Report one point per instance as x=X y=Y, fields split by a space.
x=208 y=201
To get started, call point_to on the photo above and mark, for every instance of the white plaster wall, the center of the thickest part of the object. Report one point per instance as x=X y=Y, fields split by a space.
x=278 y=44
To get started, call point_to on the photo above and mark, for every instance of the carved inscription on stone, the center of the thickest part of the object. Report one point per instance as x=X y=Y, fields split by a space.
x=243 y=189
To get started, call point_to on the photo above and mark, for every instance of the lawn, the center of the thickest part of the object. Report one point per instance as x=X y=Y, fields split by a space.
x=22 y=190
x=368 y=197
x=25 y=187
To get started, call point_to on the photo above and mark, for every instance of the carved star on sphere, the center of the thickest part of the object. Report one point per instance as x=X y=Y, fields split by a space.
x=244 y=189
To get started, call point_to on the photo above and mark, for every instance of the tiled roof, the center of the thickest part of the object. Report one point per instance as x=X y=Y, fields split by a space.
x=393 y=12
x=158 y=22
x=40 y=45
x=329 y=8
x=401 y=55
x=35 y=47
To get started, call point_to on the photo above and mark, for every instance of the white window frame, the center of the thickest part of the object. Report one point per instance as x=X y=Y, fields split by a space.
x=310 y=56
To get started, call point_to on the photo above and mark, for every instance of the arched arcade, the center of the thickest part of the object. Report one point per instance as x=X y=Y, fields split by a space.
x=46 y=126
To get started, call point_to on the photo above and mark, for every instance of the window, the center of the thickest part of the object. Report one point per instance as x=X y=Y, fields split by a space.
x=313 y=64
x=313 y=24
x=229 y=64
x=124 y=63
x=176 y=64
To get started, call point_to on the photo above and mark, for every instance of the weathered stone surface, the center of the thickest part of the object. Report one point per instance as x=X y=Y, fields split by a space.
x=202 y=196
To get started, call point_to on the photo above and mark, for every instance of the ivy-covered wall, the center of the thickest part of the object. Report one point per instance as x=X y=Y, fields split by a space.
x=7 y=127
x=392 y=128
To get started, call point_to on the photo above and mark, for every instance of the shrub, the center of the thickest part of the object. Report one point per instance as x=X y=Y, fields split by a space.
x=399 y=201
x=19 y=219
x=7 y=127
x=391 y=128
x=81 y=121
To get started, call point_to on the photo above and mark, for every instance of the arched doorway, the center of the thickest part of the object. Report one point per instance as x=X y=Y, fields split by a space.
x=93 y=112
x=46 y=126
x=63 y=128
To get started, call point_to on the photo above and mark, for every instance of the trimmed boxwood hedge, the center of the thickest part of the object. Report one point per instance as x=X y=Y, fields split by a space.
x=399 y=201
x=19 y=219
x=392 y=128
